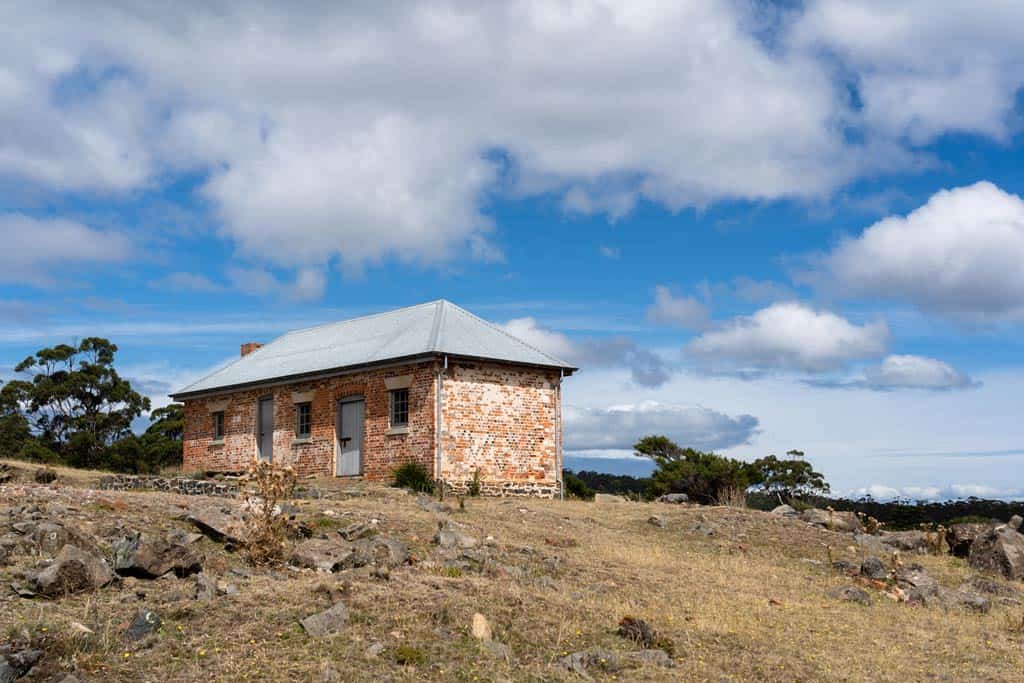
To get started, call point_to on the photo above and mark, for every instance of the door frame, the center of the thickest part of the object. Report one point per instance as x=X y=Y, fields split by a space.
x=354 y=398
x=259 y=426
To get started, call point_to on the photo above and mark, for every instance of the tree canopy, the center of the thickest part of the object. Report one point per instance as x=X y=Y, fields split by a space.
x=72 y=406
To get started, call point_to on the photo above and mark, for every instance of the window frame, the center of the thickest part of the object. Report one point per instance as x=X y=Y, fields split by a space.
x=308 y=433
x=218 y=425
x=394 y=403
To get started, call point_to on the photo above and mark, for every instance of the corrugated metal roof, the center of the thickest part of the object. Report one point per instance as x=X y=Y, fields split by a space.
x=438 y=327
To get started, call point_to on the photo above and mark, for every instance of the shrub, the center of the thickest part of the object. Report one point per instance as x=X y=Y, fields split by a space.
x=474 y=484
x=705 y=477
x=413 y=476
x=576 y=487
x=266 y=540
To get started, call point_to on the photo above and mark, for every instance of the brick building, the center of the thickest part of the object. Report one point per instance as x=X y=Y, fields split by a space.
x=430 y=383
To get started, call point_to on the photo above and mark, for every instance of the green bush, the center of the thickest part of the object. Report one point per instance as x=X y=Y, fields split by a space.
x=576 y=487
x=415 y=476
x=706 y=478
x=474 y=484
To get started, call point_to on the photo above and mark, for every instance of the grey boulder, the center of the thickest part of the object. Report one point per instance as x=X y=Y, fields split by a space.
x=999 y=550
x=328 y=621
x=145 y=557
x=72 y=571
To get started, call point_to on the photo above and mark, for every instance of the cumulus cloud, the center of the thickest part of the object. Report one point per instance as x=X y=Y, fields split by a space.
x=789 y=336
x=309 y=283
x=680 y=311
x=931 y=492
x=647 y=368
x=916 y=372
x=35 y=247
x=924 y=67
x=959 y=254
x=619 y=427
x=381 y=131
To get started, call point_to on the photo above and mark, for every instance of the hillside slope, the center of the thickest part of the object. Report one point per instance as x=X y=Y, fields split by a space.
x=734 y=594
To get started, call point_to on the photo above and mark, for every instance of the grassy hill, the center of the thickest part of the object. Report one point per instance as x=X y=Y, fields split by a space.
x=736 y=595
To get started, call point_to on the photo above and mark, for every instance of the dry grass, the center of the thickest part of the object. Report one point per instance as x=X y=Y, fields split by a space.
x=743 y=604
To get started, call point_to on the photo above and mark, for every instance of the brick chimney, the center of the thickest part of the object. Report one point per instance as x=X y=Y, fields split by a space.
x=249 y=347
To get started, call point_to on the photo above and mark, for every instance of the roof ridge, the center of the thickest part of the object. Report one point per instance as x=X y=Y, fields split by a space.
x=497 y=328
x=438 y=321
x=361 y=317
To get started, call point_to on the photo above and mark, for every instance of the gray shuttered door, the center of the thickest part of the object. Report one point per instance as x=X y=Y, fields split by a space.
x=350 y=438
x=266 y=429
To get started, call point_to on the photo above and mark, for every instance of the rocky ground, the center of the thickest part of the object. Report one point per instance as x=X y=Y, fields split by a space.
x=384 y=585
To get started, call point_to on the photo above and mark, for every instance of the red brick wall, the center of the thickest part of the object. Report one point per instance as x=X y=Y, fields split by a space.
x=500 y=419
x=382 y=452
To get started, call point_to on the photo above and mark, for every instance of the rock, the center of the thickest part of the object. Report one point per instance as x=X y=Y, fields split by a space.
x=17 y=664
x=499 y=650
x=595 y=658
x=356 y=531
x=972 y=601
x=638 y=631
x=704 y=529
x=449 y=536
x=918 y=584
x=328 y=621
x=836 y=521
x=1015 y=522
x=374 y=651
x=990 y=587
x=785 y=510
x=874 y=568
x=655 y=520
x=481 y=627
x=49 y=538
x=845 y=567
x=381 y=552
x=145 y=557
x=905 y=540
x=45 y=475
x=205 y=588
x=182 y=537
x=676 y=498
x=219 y=525
x=6 y=475
x=651 y=658
x=850 y=594
x=999 y=550
x=146 y=622
x=322 y=555
x=959 y=537
x=73 y=570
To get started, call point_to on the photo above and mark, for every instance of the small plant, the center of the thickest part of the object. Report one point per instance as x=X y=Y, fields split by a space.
x=643 y=635
x=413 y=476
x=406 y=655
x=733 y=497
x=935 y=538
x=267 y=527
x=871 y=525
x=474 y=484
x=576 y=487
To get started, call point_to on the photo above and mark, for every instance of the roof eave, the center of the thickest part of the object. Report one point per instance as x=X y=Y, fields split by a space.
x=566 y=371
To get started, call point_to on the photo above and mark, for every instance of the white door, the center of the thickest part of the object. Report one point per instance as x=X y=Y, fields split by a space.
x=350 y=437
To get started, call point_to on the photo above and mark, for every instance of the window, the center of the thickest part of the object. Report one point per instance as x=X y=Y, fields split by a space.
x=303 y=420
x=218 y=426
x=400 y=408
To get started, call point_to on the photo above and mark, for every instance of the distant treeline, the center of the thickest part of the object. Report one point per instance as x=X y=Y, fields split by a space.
x=896 y=514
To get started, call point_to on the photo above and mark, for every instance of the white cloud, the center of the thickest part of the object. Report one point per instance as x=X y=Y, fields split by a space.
x=646 y=367
x=959 y=254
x=924 y=67
x=358 y=133
x=916 y=372
x=34 y=248
x=935 y=493
x=619 y=427
x=309 y=283
x=681 y=311
x=790 y=336
x=610 y=252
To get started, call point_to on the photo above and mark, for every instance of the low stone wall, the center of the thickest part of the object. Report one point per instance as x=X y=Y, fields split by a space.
x=506 y=488
x=187 y=487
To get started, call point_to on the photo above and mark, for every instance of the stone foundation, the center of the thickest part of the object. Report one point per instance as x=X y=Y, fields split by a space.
x=522 y=489
x=186 y=487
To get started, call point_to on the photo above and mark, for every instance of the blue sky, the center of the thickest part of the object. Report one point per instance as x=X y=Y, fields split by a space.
x=755 y=226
